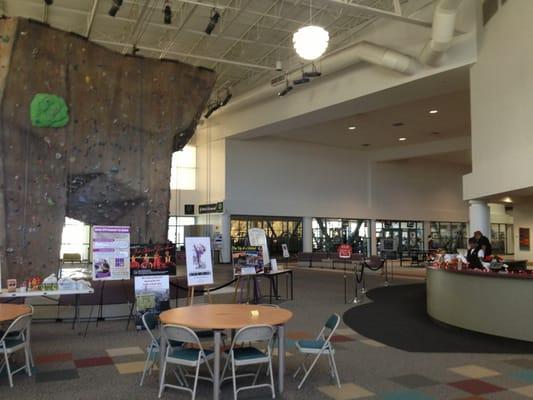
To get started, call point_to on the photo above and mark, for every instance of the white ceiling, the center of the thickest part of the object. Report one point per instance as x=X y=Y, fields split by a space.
x=376 y=128
x=250 y=36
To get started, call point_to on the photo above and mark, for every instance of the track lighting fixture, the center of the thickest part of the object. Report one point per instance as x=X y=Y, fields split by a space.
x=226 y=98
x=211 y=109
x=213 y=20
x=115 y=7
x=287 y=89
x=312 y=74
x=301 y=80
x=167 y=14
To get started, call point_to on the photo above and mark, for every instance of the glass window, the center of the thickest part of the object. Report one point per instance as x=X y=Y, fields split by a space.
x=399 y=236
x=278 y=230
x=176 y=229
x=329 y=233
x=76 y=238
x=183 y=172
x=449 y=236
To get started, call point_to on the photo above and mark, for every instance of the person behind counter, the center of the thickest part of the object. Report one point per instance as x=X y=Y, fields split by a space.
x=474 y=254
x=483 y=243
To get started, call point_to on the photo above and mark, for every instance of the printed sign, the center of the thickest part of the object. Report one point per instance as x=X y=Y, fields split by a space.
x=344 y=251
x=151 y=295
x=111 y=252
x=257 y=237
x=247 y=260
x=285 y=250
x=211 y=208
x=153 y=259
x=199 y=262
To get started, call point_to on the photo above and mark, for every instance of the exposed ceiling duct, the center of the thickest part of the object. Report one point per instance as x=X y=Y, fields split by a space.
x=362 y=51
x=442 y=33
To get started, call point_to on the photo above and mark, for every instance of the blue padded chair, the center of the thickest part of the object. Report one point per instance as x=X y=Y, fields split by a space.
x=242 y=353
x=321 y=346
x=194 y=357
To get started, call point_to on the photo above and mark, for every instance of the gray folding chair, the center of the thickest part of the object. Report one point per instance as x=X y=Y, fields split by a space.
x=150 y=321
x=319 y=347
x=250 y=355
x=193 y=357
x=11 y=343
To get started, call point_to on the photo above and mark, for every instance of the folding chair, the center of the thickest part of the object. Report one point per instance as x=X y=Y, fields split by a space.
x=249 y=355
x=150 y=321
x=193 y=357
x=320 y=346
x=10 y=343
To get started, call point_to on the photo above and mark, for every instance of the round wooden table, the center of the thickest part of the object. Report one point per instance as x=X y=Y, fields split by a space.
x=218 y=317
x=9 y=312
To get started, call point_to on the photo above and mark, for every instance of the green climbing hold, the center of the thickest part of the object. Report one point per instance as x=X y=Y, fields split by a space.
x=48 y=111
x=5 y=38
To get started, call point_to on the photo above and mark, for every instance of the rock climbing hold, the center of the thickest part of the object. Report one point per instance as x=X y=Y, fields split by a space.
x=48 y=111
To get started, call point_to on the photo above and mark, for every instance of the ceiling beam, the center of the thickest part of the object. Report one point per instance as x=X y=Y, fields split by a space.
x=183 y=54
x=382 y=13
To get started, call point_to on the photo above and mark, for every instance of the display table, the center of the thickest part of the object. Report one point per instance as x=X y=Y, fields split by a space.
x=218 y=317
x=488 y=302
x=51 y=294
x=9 y=312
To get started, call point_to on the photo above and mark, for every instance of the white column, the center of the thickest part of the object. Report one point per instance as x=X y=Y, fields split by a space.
x=307 y=232
x=479 y=214
x=373 y=238
x=226 y=237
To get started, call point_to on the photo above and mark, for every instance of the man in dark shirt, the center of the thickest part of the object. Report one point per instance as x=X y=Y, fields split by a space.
x=483 y=242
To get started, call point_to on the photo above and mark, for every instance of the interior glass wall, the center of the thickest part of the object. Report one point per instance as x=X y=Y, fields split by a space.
x=329 y=233
x=399 y=236
x=448 y=235
x=501 y=238
x=278 y=230
x=175 y=229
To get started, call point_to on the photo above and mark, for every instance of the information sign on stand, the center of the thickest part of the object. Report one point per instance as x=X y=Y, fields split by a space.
x=247 y=260
x=285 y=250
x=344 y=251
x=152 y=294
x=199 y=262
x=111 y=252
x=257 y=237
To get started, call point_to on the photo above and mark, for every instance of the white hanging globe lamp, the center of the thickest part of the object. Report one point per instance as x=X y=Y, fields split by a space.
x=310 y=42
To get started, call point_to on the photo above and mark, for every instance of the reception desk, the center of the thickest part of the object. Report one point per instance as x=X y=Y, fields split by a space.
x=488 y=302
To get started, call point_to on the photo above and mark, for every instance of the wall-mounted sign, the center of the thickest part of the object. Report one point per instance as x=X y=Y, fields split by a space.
x=211 y=208
x=523 y=239
x=189 y=209
x=111 y=252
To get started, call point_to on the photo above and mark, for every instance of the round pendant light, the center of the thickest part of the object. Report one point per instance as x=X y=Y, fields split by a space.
x=310 y=42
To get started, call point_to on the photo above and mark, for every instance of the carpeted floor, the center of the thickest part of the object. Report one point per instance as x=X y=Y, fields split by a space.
x=397 y=317
x=107 y=364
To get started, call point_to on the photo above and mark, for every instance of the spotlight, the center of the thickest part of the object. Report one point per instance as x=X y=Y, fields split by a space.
x=226 y=99
x=301 y=81
x=212 y=109
x=167 y=12
x=287 y=89
x=115 y=7
x=213 y=20
x=49 y=2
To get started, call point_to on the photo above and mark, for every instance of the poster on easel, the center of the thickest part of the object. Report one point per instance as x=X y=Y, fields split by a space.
x=111 y=252
x=153 y=259
x=152 y=294
x=247 y=260
x=257 y=237
x=199 y=261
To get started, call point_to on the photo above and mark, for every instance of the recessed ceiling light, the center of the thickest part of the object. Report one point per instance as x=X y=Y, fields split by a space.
x=351 y=128
x=433 y=111
x=435 y=133
x=398 y=124
x=507 y=200
x=402 y=139
x=365 y=145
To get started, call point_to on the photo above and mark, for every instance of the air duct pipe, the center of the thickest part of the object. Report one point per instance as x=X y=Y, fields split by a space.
x=362 y=51
x=442 y=33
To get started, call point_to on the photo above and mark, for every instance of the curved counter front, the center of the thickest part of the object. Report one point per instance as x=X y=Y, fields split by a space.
x=487 y=302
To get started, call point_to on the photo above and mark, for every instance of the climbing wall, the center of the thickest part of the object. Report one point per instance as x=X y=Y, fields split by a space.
x=110 y=164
